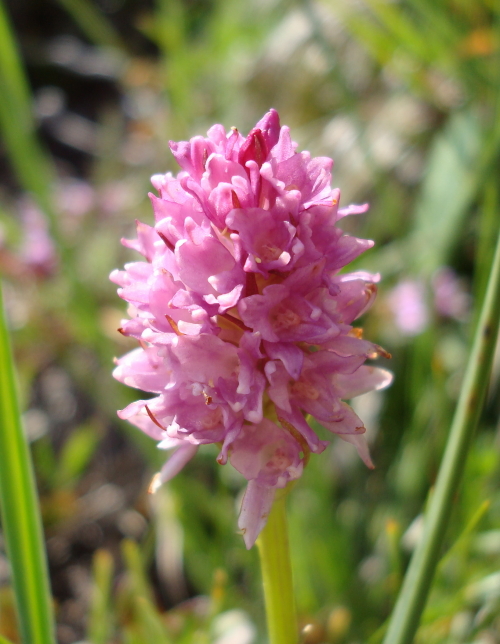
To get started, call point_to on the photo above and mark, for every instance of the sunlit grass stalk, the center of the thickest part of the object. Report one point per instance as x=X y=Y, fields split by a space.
x=33 y=167
x=21 y=523
x=277 y=576
x=411 y=602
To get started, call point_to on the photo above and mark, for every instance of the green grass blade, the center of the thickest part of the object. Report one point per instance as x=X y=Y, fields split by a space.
x=101 y=616
x=20 y=512
x=135 y=566
x=4 y=640
x=11 y=68
x=146 y=617
x=418 y=579
x=466 y=533
x=406 y=34
x=450 y=183
x=75 y=455
x=149 y=621
x=93 y=23
x=32 y=166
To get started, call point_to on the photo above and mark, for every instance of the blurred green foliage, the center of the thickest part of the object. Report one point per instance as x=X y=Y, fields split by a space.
x=405 y=97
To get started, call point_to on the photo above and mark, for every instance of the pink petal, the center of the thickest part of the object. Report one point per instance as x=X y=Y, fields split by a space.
x=290 y=355
x=255 y=508
x=176 y=462
x=364 y=379
x=359 y=442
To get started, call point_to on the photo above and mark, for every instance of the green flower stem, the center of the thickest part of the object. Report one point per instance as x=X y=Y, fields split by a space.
x=418 y=579
x=277 y=575
x=21 y=524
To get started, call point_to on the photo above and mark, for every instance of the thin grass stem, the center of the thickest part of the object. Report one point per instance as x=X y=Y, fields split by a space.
x=412 y=598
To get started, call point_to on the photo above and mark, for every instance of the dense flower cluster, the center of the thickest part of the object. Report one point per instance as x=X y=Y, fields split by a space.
x=243 y=319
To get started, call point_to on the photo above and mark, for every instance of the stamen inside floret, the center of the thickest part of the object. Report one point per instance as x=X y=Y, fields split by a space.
x=284 y=319
x=212 y=419
x=305 y=389
x=269 y=253
x=279 y=460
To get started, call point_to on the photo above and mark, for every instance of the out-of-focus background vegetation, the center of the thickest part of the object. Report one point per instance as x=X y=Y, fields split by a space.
x=404 y=95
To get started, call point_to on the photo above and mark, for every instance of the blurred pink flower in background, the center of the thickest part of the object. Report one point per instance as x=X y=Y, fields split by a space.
x=450 y=297
x=243 y=319
x=37 y=250
x=74 y=197
x=411 y=301
x=408 y=306
x=116 y=196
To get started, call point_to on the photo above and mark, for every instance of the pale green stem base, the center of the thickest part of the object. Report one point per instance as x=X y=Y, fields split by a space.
x=277 y=575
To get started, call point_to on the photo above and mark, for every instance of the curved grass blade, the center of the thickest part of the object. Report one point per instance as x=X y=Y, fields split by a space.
x=418 y=579
x=101 y=615
x=32 y=166
x=21 y=521
x=93 y=23
x=4 y=640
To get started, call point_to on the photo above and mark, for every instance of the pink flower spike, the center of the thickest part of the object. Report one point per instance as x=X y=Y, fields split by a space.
x=241 y=310
x=450 y=297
